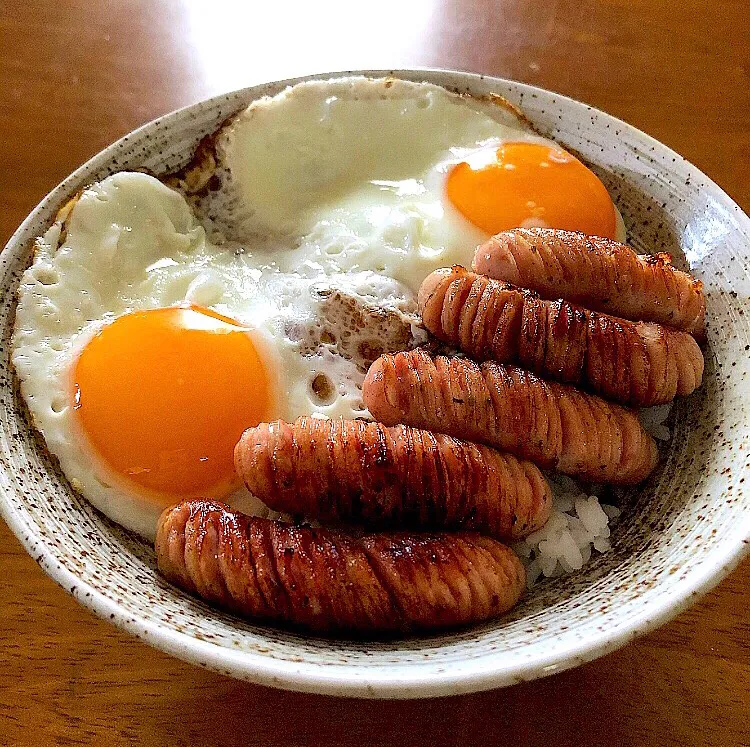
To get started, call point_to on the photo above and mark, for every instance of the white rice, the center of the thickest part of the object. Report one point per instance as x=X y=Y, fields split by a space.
x=579 y=525
x=652 y=419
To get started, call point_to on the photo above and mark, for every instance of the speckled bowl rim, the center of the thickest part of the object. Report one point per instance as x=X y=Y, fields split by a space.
x=415 y=679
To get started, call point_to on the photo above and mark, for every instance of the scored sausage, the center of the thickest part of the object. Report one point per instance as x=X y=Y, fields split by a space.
x=351 y=470
x=554 y=425
x=328 y=581
x=598 y=273
x=637 y=363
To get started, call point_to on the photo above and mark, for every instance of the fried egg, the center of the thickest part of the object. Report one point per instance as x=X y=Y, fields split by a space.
x=394 y=176
x=154 y=324
x=144 y=351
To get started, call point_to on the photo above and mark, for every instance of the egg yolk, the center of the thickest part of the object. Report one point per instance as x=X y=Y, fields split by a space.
x=528 y=185
x=164 y=395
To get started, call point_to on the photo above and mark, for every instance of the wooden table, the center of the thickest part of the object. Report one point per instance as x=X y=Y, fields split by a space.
x=75 y=75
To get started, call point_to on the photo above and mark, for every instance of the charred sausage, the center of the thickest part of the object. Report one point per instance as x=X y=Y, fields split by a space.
x=554 y=425
x=328 y=581
x=598 y=273
x=350 y=470
x=636 y=363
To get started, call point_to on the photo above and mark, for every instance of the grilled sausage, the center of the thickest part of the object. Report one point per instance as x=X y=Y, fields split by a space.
x=637 y=363
x=552 y=424
x=325 y=580
x=351 y=470
x=601 y=274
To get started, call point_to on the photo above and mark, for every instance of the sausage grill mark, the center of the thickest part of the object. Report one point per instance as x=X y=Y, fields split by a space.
x=399 y=476
x=636 y=363
x=598 y=273
x=327 y=581
x=553 y=425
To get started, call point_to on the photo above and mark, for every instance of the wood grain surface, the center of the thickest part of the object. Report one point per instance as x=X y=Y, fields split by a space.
x=76 y=74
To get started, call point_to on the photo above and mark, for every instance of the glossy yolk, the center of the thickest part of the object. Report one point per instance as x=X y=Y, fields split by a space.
x=164 y=395
x=531 y=184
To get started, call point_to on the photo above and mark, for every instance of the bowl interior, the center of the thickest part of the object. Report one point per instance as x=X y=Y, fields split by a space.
x=678 y=534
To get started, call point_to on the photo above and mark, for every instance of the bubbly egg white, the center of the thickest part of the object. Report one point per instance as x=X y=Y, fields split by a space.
x=132 y=243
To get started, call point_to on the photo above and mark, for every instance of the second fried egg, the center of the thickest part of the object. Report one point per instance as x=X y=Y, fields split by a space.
x=392 y=176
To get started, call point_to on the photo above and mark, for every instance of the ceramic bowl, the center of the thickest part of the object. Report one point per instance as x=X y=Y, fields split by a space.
x=678 y=535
